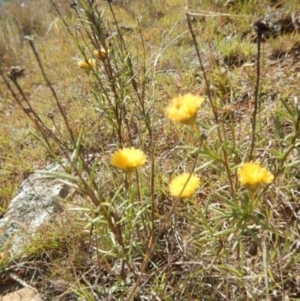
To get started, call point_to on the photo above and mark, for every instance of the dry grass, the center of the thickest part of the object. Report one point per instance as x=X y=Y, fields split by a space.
x=129 y=240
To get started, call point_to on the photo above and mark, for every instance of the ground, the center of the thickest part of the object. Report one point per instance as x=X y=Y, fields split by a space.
x=126 y=237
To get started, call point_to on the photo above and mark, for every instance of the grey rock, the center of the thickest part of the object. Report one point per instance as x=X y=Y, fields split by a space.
x=36 y=203
x=24 y=294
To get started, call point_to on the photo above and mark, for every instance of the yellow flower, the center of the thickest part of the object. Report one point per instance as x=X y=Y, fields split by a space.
x=100 y=54
x=184 y=108
x=87 y=65
x=179 y=182
x=252 y=175
x=128 y=158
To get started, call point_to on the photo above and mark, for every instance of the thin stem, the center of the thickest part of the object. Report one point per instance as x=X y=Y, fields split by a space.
x=256 y=104
x=52 y=90
x=214 y=109
x=46 y=133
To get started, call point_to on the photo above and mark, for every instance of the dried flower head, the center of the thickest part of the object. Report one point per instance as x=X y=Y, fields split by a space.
x=87 y=65
x=180 y=181
x=184 y=108
x=253 y=175
x=15 y=72
x=261 y=26
x=128 y=158
x=100 y=54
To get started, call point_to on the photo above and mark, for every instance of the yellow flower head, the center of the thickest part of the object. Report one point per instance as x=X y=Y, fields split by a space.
x=252 y=175
x=100 y=54
x=184 y=108
x=87 y=65
x=128 y=158
x=179 y=182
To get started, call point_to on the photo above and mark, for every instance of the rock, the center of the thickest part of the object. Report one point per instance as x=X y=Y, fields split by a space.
x=296 y=20
x=277 y=21
x=24 y=294
x=34 y=205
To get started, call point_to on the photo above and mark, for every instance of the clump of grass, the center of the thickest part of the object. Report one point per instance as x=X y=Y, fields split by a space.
x=235 y=53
